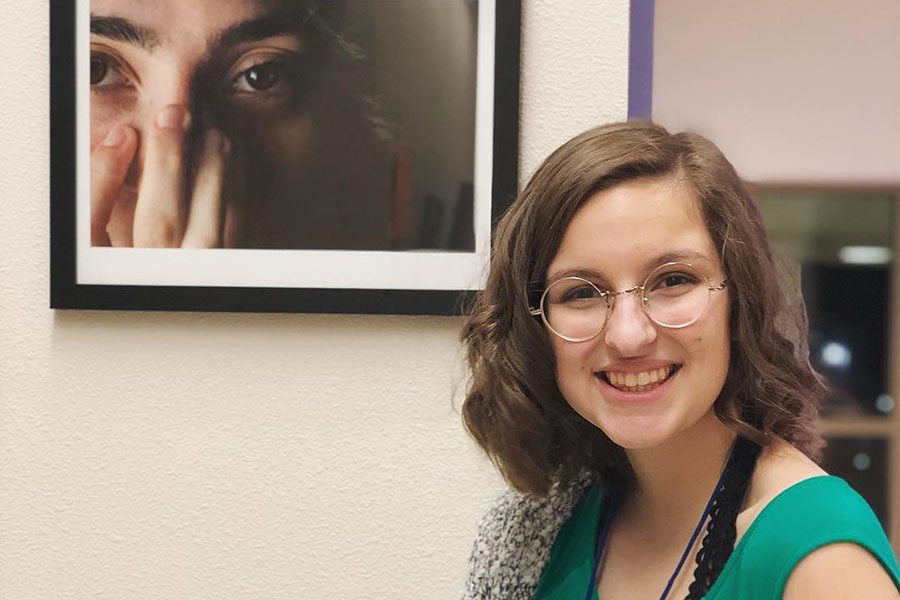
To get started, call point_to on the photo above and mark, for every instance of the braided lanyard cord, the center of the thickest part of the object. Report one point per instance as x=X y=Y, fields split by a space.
x=721 y=532
x=606 y=522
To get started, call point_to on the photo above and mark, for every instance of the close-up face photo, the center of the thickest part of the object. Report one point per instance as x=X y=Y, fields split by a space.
x=280 y=124
x=240 y=68
x=644 y=366
x=235 y=62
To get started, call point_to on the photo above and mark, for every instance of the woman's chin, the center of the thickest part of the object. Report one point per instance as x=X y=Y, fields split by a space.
x=651 y=431
x=636 y=442
x=637 y=436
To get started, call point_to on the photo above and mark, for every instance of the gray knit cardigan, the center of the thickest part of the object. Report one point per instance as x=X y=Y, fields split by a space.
x=513 y=543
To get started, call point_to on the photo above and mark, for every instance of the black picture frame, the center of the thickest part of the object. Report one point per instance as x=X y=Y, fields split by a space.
x=68 y=292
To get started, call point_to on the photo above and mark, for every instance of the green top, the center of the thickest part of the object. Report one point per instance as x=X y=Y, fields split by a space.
x=809 y=514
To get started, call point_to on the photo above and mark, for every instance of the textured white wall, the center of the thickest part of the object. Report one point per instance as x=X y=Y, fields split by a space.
x=148 y=456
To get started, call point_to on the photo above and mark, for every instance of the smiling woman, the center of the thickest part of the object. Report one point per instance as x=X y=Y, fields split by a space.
x=236 y=123
x=640 y=374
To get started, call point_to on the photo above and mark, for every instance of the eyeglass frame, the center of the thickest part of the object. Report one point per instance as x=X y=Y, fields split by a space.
x=609 y=296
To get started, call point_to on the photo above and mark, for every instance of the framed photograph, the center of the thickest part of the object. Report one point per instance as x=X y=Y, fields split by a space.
x=324 y=156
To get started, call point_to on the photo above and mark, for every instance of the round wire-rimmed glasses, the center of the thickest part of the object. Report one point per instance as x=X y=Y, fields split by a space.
x=674 y=295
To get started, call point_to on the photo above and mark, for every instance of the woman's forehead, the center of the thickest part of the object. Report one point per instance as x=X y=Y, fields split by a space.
x=633 y=225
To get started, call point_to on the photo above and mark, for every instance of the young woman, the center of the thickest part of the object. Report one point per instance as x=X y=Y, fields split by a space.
x=640 y=377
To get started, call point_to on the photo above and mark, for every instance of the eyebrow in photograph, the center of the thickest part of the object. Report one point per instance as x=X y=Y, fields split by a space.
x=123 y=30
x=269 y=25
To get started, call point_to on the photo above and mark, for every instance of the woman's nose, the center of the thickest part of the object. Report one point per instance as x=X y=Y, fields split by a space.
x=175 y=88
x=170 y=85
x=174 y=81
x=629 y=331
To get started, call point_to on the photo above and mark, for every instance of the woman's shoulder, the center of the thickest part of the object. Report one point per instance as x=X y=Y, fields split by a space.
x=794 y=509
x=780 y=467
x=815 y=508
x=789 y=492
x=514 y=540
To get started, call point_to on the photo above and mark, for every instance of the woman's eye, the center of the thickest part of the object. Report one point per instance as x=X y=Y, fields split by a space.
x=106 y=72
x=669 y=281
x=673 y=280
x=576 y=295
x=581 y=292
x=262 y=77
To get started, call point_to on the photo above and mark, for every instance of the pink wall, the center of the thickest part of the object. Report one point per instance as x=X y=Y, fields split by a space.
x=791 y=90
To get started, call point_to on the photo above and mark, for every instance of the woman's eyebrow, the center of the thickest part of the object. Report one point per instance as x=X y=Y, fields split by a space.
x=269 y=25
x=588 y=274
x=123 y=30
x=684 y=255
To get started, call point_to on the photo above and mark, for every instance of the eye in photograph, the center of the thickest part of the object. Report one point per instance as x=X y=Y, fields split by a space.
x=263 y=77
x=109 y=72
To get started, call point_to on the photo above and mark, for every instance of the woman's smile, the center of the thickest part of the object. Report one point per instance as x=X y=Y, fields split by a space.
x=637 y=381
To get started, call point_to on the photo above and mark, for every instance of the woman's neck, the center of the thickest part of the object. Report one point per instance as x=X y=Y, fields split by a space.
x=673 y=481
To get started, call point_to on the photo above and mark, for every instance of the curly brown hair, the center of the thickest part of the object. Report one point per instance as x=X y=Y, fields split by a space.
x=513 y=407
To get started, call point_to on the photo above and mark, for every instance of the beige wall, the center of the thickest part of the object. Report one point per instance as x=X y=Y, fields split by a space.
x=244 y=456
x=799 y=91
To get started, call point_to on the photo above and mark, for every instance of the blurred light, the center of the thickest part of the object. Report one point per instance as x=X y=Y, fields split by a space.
x=885 y=403
x=865 y=255
x=862 y=461
x=837 y=355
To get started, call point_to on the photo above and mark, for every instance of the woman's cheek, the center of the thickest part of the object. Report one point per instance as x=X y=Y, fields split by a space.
x=293 y=142
x=106 y=113
x=278 y=143
x=100 y=128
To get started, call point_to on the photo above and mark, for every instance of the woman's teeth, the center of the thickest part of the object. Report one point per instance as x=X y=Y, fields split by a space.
x=639 y=382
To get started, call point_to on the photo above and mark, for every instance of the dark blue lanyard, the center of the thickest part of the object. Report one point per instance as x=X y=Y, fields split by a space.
x=606 y=522
x=603 y=527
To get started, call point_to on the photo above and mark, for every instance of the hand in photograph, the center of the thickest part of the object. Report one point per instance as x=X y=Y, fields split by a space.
x=173 y=207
